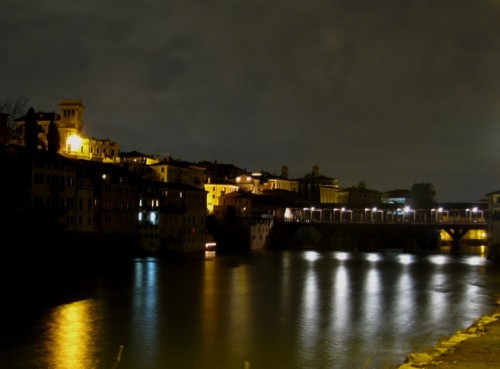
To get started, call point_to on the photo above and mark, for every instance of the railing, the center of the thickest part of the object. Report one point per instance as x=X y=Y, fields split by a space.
x=387 y=216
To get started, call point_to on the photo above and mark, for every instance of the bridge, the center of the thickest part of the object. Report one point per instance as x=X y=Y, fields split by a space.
x=455 y=222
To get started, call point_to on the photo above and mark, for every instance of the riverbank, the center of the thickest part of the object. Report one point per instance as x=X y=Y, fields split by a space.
x=476 y=347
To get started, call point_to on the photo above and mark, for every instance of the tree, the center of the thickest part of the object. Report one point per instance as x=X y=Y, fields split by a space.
x=31 y=130
x=14 y=108
x=53 y=137
x=423 y=196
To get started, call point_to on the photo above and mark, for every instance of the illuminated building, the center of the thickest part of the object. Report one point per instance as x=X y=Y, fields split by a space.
x=73 y=144
x=214 y=191
x=173 y=171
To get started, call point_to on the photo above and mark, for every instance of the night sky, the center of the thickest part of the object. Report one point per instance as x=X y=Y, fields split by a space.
x=391 y=93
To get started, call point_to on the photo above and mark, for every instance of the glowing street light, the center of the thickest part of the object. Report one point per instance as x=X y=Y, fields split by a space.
x=334 y=211
x=440 y=212
x=476 y=211
x=407 y=211
x=73 y=143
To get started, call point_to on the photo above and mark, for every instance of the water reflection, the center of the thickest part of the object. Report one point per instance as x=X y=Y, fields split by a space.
x=145 y=305
x=70 y=340
x=290 y=310
x=238 y=312
x=209 y=306
x=341 y=301
x=371 y=306
x=404 y=300
x=309 y=314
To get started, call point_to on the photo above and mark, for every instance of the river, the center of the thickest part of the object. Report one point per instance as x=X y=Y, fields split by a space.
x=263 y=310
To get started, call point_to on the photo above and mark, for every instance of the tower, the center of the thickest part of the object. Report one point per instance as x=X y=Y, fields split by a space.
x=71 y=116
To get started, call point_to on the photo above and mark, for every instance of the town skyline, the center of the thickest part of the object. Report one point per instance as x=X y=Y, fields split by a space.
x=43 y=115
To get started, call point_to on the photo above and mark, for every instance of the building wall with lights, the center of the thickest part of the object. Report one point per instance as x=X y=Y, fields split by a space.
x=359 y=197
x=105 y=151
x=116 y=203
x=169 y=171
x=259 y=233
x=214 y=191
x=249 y=183
x=172 y=218
x=275 y=183
x=329 y=195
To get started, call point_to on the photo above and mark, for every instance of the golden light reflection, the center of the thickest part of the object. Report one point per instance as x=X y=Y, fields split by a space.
x=71 y=332
x=482 y=251
x=210 y=308
x=239 y=310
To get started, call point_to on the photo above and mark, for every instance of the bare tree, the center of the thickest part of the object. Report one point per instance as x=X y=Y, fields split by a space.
x=15 y=109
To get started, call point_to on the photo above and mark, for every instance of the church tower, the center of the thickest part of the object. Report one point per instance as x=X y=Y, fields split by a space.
x=71 y=116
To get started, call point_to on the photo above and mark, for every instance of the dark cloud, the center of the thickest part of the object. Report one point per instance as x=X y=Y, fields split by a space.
x=390 y=92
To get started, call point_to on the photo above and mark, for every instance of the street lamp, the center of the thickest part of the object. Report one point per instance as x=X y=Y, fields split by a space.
x=349 y=211
x=440 y=211
x=334 y=210
x=407 y=211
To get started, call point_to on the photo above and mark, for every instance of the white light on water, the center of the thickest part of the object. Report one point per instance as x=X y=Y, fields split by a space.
x=438 y=259
x=341 y=255
x=372 y=257
x=406 y=259
x=312 y=255
x=475 y=260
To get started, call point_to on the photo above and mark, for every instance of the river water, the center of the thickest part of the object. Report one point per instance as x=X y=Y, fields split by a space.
x=264 y=310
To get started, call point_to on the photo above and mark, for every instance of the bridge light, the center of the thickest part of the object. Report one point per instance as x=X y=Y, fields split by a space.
x=366 y=212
